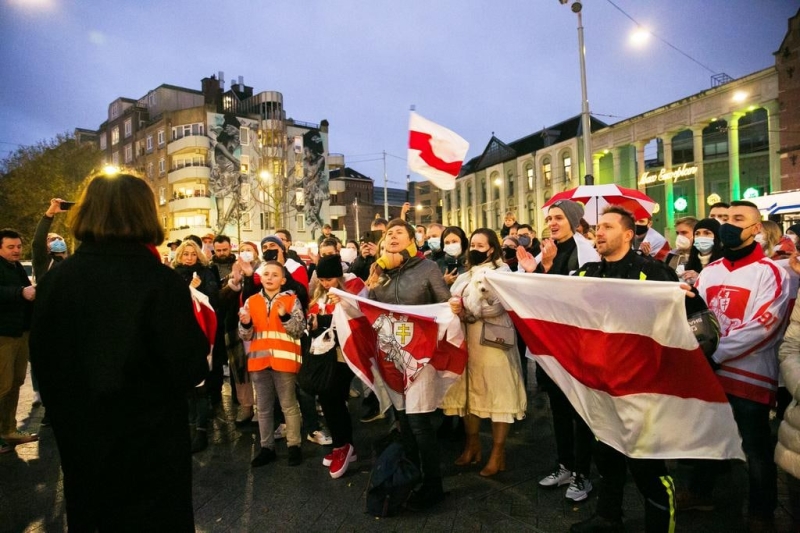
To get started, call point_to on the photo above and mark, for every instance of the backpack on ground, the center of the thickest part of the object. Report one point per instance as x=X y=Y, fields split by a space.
x=391 y=481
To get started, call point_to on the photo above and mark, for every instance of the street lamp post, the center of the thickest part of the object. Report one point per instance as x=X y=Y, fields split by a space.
x=586 y=124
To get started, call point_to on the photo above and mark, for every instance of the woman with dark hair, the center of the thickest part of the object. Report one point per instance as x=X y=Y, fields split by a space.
x=401 y=276
x=454 y=245
x=115 y=345
x=706 y=248
x=491 y=386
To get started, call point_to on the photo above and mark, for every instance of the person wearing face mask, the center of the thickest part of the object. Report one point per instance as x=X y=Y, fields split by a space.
x=231 y=295
x=678 y=256
x=491 y=386
x=748 y=293
x=650 y=242
x=454 y=246
x=433 y=245
x=527 y=239
x=773 y=242
x=509 y=252
x=793 y=233
x=706 y=248
x=349 y=253
x=173 y=247
x=47 y=249
x=421 y=238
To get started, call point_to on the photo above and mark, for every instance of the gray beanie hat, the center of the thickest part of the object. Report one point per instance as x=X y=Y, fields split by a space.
x=572 y=210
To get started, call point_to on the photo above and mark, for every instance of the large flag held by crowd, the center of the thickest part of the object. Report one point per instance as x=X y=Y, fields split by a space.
x=625 y=356
x=435 y=152
x=393 y=343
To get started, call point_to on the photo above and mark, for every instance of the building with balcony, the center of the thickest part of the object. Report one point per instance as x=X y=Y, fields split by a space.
x=736 y=140
x=222 y=161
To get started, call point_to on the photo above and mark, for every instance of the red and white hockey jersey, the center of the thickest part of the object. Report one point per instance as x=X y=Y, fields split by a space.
x=749 y=298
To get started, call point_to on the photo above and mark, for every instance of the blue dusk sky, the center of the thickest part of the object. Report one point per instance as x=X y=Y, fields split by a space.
x=508 y=67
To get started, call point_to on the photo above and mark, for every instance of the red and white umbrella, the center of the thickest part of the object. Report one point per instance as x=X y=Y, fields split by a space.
x=596 y=197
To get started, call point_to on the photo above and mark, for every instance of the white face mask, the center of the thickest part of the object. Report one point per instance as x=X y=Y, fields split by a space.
x=171 y=256
x=247 y=257
x=682 y=242
x=760 y=239
x=420 y=237
x=792 y=237
x=435 y=244
x=348 y=255
x=453 y=249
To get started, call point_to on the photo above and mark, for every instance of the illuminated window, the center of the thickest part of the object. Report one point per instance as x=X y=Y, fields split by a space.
x=149 y=143
x=128 y=128
x=547 y=172
x=115 y=136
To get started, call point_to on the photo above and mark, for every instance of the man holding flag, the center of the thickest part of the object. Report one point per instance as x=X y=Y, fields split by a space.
x=624 y=354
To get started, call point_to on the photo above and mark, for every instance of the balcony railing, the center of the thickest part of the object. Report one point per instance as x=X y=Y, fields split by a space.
x=189 y=173
x=191 y=203
x=191 y=142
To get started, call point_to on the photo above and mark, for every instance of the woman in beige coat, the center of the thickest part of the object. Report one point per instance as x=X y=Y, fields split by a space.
x=787 y=453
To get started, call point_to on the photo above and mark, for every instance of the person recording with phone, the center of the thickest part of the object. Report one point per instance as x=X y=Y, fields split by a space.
x=47 y=249
x=368 y=249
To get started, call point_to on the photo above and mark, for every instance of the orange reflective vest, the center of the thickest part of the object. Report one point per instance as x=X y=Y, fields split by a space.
x=271 y=346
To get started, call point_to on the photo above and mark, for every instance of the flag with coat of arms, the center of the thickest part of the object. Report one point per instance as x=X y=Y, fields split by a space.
x=391 y=345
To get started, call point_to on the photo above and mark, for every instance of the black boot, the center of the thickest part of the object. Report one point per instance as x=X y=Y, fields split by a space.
x=428 y=495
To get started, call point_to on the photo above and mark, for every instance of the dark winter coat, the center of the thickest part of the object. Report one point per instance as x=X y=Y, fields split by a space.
x=15 y=311
x=115 y=346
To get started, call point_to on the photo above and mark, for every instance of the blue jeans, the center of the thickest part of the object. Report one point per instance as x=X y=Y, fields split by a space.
x=752 y=419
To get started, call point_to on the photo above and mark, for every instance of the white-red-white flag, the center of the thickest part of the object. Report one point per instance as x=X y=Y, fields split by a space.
x=623 y=353
x=206 y=318
x=391 y=344
x=435 y=152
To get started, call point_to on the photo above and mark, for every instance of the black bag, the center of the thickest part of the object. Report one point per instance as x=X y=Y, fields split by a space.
x=317 y=371
x=391 y=481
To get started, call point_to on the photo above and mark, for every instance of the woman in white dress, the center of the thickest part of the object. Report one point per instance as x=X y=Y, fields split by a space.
x=491 y=386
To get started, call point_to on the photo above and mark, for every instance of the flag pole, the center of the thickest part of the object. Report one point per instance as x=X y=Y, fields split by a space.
x=412 y=108
x=385 y=189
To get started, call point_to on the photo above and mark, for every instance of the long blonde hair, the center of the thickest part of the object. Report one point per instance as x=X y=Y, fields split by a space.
x=320 y=291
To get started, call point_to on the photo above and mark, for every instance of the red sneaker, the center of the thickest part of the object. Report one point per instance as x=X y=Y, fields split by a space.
x=328 y=459
x=341 y=460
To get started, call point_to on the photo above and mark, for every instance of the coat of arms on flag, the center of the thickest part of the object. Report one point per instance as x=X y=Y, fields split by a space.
x=393 y=344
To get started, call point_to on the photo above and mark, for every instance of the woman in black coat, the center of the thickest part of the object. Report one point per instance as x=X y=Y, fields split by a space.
x=116 y=347
x=193 y=266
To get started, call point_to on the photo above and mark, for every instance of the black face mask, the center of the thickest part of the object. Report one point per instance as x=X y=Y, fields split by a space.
x=476 y=257
x=270 y=255
x=641 y=229
x=509 y=253
x=731 y=236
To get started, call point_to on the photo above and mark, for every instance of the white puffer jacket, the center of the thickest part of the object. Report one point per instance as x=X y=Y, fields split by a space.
x=787 y=453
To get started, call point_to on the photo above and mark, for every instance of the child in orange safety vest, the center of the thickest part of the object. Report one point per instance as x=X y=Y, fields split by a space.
x=273 y=322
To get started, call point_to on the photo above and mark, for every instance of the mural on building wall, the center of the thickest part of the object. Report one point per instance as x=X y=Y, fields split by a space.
x=315 y=179
x=233 y=163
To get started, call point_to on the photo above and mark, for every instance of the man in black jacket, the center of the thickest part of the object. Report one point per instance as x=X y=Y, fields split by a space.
x=16 y=297
x=615 y=232
x=368 y=251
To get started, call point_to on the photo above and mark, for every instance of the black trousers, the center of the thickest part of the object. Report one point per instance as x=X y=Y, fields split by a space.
x=418 y=433
x=651 y=478
x=334 y=406
x=574 y=439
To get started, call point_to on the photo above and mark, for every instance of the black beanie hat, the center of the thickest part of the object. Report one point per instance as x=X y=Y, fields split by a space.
x=329 y=267
x=711 y=224
x=794 y=228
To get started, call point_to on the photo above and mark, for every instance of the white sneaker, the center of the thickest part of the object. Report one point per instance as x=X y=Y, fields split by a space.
x=579 y=488
x=321 y=437
x=280 y=433
x=556 y=478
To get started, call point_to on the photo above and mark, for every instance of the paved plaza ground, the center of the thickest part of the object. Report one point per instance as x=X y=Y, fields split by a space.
x=229 y=496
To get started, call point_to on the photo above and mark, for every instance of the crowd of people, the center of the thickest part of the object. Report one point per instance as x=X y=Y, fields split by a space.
x=147 y=365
